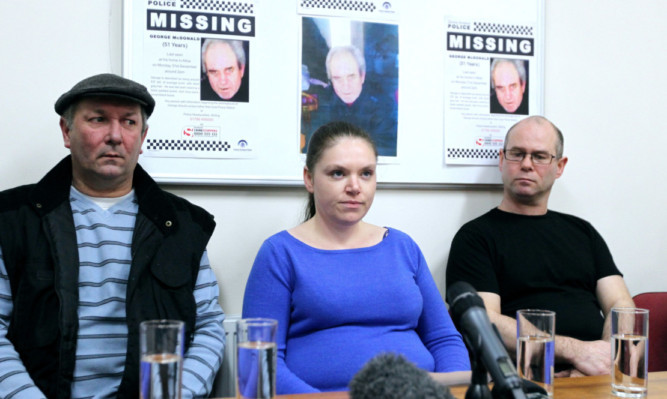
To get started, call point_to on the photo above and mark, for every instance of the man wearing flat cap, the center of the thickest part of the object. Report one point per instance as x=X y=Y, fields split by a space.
x=94 y=249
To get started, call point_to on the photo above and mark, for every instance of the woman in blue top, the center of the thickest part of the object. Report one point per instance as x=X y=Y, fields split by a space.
x=343 y=290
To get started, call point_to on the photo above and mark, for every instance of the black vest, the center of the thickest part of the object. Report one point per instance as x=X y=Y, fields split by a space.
x=40 y=253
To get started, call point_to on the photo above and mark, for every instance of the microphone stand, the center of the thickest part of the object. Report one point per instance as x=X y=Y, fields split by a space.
x=479 y=384
x=478 y=388
x=510 y=393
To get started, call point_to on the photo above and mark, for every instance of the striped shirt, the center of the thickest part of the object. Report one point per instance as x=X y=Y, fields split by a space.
x=104 y=244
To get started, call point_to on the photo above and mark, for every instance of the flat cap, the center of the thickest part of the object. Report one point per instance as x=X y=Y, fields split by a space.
x=109 y=85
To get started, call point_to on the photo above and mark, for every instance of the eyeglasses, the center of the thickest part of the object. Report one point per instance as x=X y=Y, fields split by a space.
x=538 y=157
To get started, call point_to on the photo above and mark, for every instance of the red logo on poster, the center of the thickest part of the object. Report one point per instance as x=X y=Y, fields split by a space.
x=188 y=132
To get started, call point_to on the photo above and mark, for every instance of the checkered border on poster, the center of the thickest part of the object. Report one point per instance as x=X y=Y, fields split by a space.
x=219 y=5
x=472 y=153
x=504 y=29
x=187 y=145
x=348 y=5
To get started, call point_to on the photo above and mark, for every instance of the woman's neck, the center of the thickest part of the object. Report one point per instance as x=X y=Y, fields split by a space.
x=316 y=233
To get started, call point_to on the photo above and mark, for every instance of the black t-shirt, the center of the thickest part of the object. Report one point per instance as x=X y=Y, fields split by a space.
x=552 y=262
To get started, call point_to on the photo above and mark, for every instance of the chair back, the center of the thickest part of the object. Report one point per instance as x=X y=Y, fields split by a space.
x=656 y=303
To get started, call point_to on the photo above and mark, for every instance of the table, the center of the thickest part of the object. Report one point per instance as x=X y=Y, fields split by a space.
x=564 y=388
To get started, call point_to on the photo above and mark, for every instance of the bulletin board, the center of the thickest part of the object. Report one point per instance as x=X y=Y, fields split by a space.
x=426 y=94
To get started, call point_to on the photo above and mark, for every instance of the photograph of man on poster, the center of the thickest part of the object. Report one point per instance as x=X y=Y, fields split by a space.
x=509 y=86
x=353 y=79
x=225 y=70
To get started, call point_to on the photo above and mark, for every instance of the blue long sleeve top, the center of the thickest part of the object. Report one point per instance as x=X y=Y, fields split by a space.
x=336 y=309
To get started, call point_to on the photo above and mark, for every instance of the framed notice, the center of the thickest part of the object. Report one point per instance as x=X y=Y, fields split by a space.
x=493 y=79
x=241 y=85
x=196 y=61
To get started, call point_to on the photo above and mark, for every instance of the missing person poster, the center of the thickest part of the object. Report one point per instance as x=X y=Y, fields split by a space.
x=349 y=69
x=194 y=57
x=491 y=82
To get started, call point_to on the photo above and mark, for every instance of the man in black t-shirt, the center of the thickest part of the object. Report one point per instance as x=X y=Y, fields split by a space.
x=522 y=255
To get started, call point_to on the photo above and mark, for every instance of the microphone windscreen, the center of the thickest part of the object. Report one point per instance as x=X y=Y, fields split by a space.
x=461 y=296
x=391 y=376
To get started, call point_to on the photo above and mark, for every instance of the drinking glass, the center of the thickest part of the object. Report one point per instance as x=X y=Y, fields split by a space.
x=256 y=358
x=535 y=332
x=161 y=358
x=629 y=352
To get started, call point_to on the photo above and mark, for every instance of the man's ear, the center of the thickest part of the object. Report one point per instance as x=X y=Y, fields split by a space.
x=65 y=131
x=560 y=166
x=143 y=137
x=501 y=157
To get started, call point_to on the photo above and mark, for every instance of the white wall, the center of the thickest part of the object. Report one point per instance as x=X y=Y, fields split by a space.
x=604 y=87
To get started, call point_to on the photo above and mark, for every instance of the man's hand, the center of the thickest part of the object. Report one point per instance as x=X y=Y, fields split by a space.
x=591 y=358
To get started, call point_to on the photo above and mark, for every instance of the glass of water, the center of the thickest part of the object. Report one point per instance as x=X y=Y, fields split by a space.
x=161 y=358
x=256 y=358
x=535 y=356
x=629 y=352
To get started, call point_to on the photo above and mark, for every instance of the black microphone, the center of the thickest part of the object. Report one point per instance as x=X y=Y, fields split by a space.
x=481 y=337
x=391 y=376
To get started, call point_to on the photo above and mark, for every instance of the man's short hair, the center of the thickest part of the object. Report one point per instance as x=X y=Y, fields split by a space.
x=235 y=45
x=519 y=65
x=350 y=49
x=560 y=140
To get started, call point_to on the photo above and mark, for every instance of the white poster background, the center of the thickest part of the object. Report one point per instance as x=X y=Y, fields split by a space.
x=474 y=129
x=271 y=126
x=166 y=56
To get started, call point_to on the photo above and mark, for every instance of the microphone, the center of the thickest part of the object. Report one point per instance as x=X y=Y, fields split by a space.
x=481 y=337
x=391 y=376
